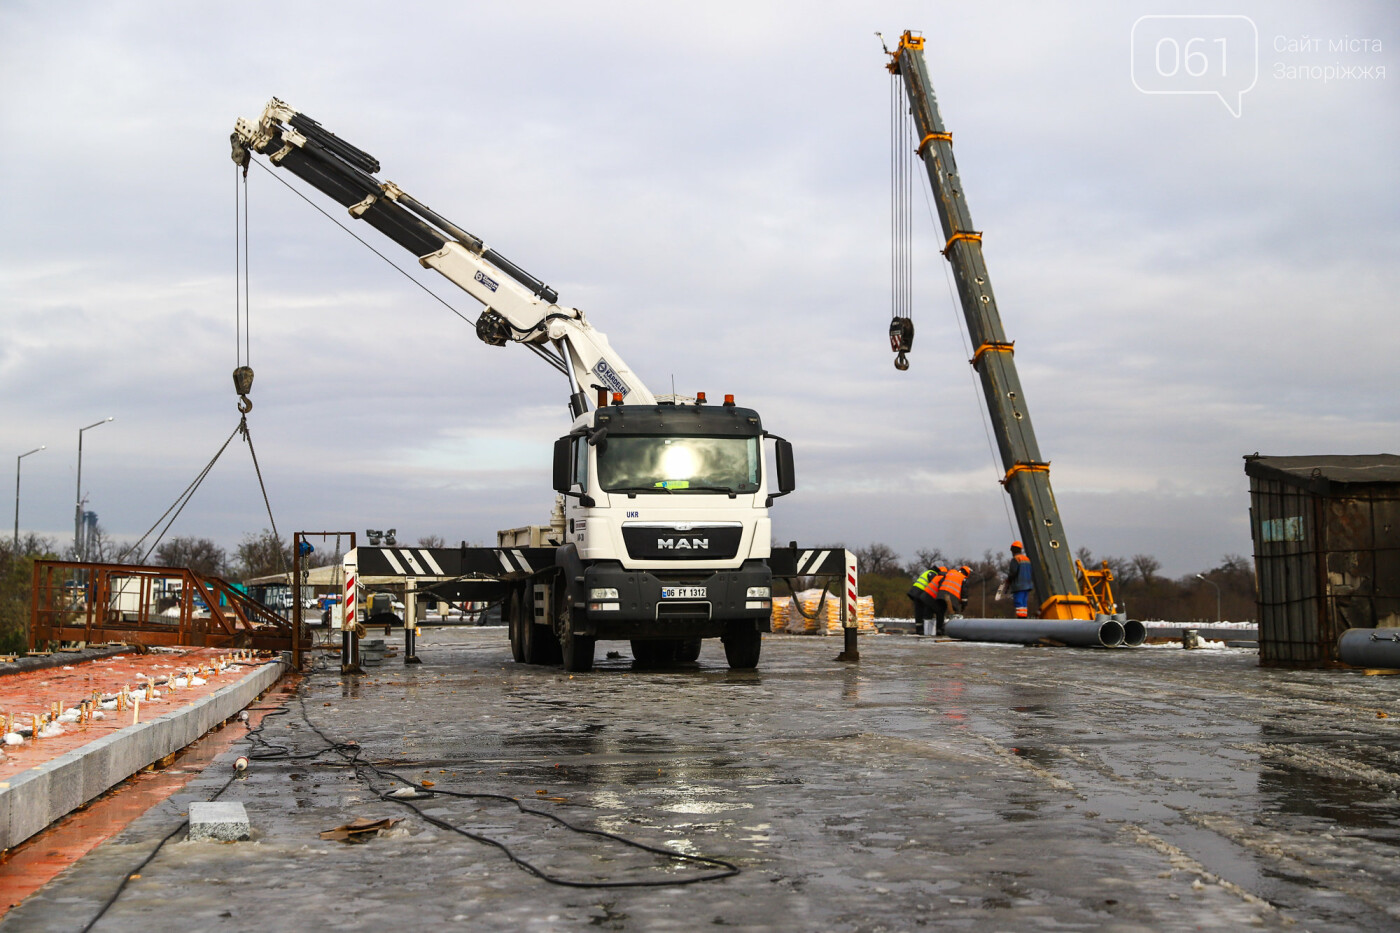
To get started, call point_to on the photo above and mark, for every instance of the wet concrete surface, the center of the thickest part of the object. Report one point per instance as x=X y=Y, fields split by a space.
x=935 y=784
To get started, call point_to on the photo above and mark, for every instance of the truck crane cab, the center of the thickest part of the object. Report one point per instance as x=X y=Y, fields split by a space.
x=667 y=530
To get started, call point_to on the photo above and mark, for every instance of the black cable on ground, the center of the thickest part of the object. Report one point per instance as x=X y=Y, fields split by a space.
x=351 y=754
x=136 y=872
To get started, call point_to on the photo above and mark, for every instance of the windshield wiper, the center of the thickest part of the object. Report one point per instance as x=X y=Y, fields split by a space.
x=633 y=490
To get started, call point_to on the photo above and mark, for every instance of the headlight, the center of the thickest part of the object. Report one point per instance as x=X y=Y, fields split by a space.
x=602 y=592
x=757 y=592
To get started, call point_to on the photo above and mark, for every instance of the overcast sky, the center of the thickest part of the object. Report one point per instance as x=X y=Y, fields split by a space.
x=710 y=183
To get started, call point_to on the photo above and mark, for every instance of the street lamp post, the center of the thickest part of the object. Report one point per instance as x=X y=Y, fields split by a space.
x=78 y=510
x=17 y=460
x=1217 y=596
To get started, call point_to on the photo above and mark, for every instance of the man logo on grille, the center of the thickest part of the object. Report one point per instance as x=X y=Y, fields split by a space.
x=683 y=544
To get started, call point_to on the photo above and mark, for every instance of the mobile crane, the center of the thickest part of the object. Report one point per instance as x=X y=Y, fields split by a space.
x=1068 y=590
x=666 y=529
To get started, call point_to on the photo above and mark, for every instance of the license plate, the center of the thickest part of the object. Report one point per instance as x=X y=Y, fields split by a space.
x=683 y=592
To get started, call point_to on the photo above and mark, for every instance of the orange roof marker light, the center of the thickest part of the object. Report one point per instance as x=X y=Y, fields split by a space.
x=699 y=398
x=617 y=398
x=729 y=401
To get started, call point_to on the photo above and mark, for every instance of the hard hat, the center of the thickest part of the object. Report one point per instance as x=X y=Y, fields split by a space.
x=1017 y=544
x=966 y=569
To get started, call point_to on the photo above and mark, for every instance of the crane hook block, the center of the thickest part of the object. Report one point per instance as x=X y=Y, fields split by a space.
x=242 y=385
x=901 y=341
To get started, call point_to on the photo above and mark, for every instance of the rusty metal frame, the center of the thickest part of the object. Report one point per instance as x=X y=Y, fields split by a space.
x=63 y=609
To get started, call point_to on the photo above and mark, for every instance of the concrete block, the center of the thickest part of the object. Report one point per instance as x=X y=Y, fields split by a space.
x=221 y=820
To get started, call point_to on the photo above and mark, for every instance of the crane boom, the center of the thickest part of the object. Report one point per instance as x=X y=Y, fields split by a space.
x=1027 y=478
x=519 y=307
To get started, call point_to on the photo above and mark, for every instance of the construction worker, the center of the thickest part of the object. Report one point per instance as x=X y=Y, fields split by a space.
x=950 y=598
x=922 y=595
x=1019 y=582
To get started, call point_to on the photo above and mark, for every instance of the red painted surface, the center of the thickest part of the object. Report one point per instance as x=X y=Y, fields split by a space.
x=31 y=693
x=29 y=866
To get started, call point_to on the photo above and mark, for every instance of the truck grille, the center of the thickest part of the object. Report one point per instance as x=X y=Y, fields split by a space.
x=695 y=542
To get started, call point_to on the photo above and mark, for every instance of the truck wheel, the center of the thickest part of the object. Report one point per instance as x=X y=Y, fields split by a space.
x=688 y=650
x=742 y=644
x=575 y=651
x=515 y=616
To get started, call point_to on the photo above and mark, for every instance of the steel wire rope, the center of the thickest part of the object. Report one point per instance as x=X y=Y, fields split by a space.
x=181 y=501
x=237 y=278
x=539 y=351
x=247 y=283
x=277 y=539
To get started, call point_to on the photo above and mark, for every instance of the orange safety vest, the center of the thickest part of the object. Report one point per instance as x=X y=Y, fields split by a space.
x=952 y=583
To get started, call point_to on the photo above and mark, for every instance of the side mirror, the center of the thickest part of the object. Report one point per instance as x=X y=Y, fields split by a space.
x=787 y=479
x=563 y=464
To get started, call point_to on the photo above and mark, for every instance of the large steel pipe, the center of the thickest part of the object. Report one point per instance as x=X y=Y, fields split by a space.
x=1134 y=634
x=1102 y=633
x=1370 y=647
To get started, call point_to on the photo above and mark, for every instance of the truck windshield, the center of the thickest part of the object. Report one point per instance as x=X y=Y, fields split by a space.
x=633 y=463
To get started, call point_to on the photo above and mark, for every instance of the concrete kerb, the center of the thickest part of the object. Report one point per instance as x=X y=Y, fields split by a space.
x=31 y=801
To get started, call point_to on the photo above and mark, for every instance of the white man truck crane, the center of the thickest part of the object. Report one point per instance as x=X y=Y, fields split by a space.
x=666 y=538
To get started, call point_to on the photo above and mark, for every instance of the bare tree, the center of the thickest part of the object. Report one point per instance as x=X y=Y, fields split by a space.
x=201 y=555
x=879 y=560
x=432 y=541
x=1145 y=566
x=925 y=559
x=261 y=555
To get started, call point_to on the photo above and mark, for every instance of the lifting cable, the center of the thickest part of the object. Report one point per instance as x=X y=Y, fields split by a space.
x=242 y=385
x=901 y=329
x=539 y=351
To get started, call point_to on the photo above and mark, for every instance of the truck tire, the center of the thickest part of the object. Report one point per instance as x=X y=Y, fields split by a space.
x=575 y=651
x=515 y=618
x=742 y=644
x=688 y=650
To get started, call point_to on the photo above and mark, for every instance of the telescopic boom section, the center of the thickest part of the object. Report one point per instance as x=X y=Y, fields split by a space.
x=1027 y=477
x=519 y=307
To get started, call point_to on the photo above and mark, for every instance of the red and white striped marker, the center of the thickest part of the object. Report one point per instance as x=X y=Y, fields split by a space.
x=849 y=614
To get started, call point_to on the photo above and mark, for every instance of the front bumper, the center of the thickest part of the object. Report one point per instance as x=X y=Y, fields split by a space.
x=641 y=612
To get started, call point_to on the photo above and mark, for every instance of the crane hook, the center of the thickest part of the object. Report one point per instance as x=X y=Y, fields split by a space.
x=242 y=385
x=901 y=341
